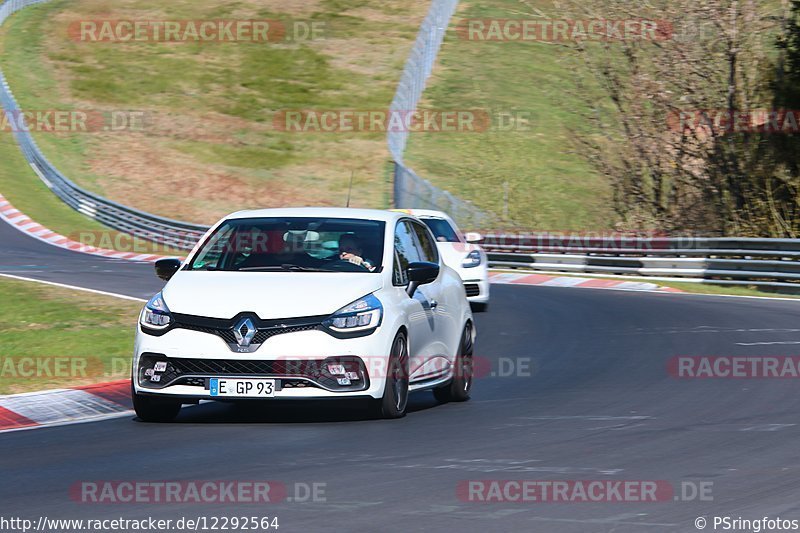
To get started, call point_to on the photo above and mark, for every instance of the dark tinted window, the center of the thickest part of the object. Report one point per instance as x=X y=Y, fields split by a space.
x=441 y=229
x=406 y=252
x=303 y=243
x=426 y=246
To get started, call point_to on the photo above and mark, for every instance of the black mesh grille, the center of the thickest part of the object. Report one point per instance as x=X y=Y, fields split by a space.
x=264 y=328
x=264 y=334
x=472 y=289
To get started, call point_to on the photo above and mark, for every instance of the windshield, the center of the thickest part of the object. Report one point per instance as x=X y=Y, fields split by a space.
x=441 y=229
x=294 y=245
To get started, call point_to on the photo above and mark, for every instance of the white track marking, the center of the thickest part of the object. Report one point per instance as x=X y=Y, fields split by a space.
x=99 y=418
x=766 y=343
x=73 y=287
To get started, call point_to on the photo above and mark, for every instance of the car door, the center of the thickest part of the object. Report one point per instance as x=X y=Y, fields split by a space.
x=421 y=319
x=440 y=301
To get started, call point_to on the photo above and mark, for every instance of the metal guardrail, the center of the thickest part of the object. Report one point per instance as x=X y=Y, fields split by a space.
x=181 y=235
x=410 y=190
x=769 y=263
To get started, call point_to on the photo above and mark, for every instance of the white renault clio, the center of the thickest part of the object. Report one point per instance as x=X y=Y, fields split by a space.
x=305 y=303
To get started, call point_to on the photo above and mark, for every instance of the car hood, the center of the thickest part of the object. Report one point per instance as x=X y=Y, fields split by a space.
x=453 y=253
x=270 y=295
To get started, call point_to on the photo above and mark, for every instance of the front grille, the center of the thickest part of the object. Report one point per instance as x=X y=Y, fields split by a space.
x=264 y=334
x=473 y=289
x=181 y=371
x=265 y=329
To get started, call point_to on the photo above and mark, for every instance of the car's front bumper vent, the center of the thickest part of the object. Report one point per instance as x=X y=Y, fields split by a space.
x=473 y=289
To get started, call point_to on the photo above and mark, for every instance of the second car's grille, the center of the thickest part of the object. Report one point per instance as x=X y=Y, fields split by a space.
x=472 y=289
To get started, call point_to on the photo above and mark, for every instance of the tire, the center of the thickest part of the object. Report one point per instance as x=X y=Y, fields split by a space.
x=395 y=393
x=479 y=307
x=150 y=409
x=459 y=388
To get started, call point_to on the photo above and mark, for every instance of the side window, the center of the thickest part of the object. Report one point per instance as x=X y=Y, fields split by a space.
x=427 y=248
x=405 y=251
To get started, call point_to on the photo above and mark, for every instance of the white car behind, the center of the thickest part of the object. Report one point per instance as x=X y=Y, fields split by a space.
x=460 y=253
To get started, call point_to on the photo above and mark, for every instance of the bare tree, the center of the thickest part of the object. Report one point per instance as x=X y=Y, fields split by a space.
x=673 y=121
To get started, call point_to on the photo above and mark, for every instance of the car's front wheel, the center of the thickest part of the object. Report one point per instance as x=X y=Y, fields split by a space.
x=150 y=409
x=459 y=388
x=395 y=393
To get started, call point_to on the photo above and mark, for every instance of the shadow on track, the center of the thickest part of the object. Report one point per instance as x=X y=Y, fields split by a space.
x=291 y=412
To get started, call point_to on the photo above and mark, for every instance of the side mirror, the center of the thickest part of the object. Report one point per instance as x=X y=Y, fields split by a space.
x=166 y=268
x=421 y=273
x=473 y=237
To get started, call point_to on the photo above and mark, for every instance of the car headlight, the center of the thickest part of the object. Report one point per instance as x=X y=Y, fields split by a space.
x=155 y=314
x=362 y=315
x=472 y=260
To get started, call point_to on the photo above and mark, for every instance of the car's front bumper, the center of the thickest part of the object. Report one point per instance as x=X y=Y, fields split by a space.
x=298 y=362
x=476 y=282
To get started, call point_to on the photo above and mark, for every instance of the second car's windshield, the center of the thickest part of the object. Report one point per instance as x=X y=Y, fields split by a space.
x=294 y=245
x=441 y=229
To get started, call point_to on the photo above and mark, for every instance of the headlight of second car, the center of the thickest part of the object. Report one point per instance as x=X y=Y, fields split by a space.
x=155 y=314
x=361 y=316
x=472 y=260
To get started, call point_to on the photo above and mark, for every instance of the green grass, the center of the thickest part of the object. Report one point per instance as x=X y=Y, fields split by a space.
x=45 y=322
x=707 y=288
x=209 y=146
x=29 y=194
x=550 y=185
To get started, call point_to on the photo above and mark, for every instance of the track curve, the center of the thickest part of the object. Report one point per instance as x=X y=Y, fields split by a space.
x=22 y=255
x=599 y=404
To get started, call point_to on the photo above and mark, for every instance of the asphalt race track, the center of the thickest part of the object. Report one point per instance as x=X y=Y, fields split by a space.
x=22 y=255
x=598 y=404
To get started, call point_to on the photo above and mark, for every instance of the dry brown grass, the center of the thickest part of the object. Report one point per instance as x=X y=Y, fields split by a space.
x=172 y=168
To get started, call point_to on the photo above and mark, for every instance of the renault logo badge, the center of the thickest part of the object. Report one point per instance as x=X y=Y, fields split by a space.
x=244 y=331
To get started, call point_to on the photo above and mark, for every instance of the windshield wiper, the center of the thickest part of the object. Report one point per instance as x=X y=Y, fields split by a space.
x=286 y=268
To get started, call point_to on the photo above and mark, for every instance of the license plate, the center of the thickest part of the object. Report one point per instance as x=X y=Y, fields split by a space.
x=242 y=388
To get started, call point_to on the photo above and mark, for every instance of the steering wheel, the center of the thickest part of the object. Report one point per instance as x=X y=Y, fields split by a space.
x=344 y=265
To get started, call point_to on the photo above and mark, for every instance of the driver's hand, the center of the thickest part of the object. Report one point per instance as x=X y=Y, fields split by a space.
x=356 y=260
x=352 y=258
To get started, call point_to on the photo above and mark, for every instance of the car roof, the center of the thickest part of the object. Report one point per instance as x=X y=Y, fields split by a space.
x=424 y=213
x=322 y=212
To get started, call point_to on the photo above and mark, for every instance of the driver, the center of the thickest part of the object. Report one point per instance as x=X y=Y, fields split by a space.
x=350 y=250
